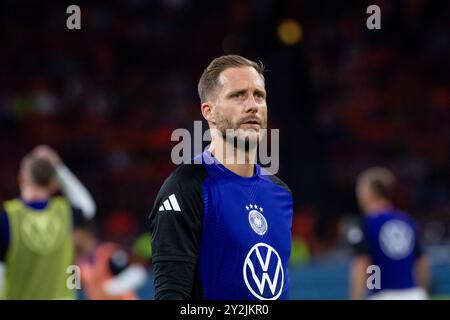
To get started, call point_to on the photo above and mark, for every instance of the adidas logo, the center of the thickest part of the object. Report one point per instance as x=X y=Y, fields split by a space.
x=170 y=204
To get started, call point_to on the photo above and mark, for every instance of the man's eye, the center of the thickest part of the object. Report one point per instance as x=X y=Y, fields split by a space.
x=238 y=95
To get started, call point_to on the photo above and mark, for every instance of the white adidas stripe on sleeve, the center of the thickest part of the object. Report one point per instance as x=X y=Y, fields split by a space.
x=170 y=204
x=167 y=205
x=174 y=202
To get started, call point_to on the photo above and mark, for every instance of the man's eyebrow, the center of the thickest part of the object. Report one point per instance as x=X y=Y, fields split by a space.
x=262 y=92
x=237 y=91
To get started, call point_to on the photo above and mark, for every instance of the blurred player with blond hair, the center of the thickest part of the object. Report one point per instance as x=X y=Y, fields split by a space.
x=387 y=238
x=36 y=240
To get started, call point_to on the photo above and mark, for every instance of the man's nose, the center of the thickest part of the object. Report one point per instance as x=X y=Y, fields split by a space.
x=251 y=105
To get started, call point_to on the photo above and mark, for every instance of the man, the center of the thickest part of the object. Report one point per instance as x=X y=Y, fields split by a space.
x=388 y=239
x=221 y=228
x=108 y=272
x=36 y=241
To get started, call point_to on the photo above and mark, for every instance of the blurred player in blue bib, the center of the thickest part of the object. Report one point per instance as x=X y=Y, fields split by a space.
x=388 y=240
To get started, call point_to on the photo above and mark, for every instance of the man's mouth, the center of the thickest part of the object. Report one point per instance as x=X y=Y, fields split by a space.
x=252 y=122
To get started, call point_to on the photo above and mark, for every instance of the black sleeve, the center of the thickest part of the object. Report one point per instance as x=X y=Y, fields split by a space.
x=4 y=235
x=118 y=262
x=357 y=239
x=79 y=220
x=279 y=182
x=418 y=249
x=175 y=227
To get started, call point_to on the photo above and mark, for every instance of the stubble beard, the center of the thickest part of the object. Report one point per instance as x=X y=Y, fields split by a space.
x=243 y=142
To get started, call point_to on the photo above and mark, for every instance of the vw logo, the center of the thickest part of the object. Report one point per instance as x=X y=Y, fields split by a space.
x=263 y=272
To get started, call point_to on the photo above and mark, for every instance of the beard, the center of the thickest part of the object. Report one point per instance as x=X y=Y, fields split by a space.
x=231 y=132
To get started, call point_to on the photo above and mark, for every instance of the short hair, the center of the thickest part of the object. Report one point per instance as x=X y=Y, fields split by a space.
x=381 y=180
x=210 y=77
x=41 y=171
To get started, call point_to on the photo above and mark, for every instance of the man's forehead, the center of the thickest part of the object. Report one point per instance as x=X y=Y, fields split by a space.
x=243 y=77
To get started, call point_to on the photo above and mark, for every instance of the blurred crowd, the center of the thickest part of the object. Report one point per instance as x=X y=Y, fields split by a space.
x=107 y=98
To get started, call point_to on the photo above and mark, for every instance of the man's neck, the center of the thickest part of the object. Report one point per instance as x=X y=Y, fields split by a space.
x=34 y=194
x=379 y=206
x=237 y=161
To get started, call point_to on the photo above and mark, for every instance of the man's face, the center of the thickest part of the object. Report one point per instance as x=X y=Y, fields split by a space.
x=363 y=194
x=24 y=178
x=240 y=103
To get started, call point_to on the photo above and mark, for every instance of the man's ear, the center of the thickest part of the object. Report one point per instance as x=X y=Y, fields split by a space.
x=207 y=111
x=54 y=186
x=20 y=178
